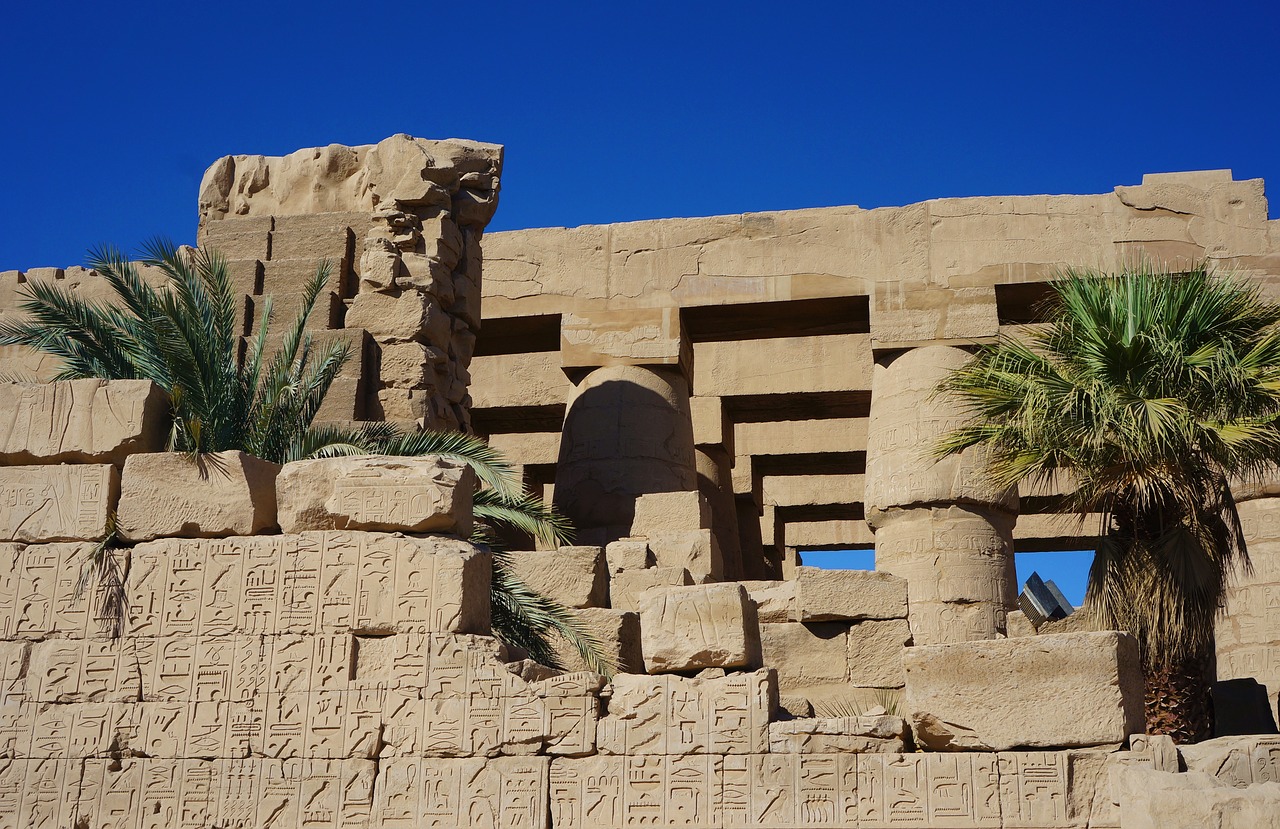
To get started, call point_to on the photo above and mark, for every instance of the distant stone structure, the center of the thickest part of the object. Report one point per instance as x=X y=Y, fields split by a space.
x=310 y=645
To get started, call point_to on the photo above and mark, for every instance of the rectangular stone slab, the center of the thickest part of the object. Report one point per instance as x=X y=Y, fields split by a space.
x=1058 y=690
x=81 y=421
x=57 y=503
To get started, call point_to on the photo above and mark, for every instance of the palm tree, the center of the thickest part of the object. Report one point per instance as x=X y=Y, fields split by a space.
x=185 y=337
x=1151 y=390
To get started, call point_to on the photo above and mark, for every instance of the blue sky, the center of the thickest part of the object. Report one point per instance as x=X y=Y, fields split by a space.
x=624 y=111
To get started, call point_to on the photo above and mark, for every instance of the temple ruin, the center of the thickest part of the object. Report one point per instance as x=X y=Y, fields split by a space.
x=707 y=399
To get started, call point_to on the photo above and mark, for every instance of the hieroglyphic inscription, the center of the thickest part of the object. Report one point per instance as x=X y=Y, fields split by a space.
x=80 y=420
x=504 y=793
x=308 y=583
x=682 y=715
x=869 y=791
x=38 y=591
x=56 y=503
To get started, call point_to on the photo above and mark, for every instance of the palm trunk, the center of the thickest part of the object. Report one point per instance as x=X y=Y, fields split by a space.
x=1177 y=699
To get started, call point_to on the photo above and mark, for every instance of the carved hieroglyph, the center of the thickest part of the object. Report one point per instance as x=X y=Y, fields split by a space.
x=701 y=626
x=56 y=503
x=1248 y=634
x=81 y=421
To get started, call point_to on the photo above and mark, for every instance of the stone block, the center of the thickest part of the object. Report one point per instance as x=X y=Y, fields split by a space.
x=1095 y=681
x=806 y=655
x=660 y=513
x=871 y=734
x=414 y=791
x=875 y=653
x=784 y=365
x=634 y=336
x=57 y=503
x=702 y=626
x=1017 y=624
x=774 y=599
x=169 y=494
x=369 y=584
x=627 y=587
x=697 y=551
x=376 y=492
x=81 y=421
x=619 y=634
x=628 y=554
x=674 y=715
x=401 y=318
x=1152 y=799
x=514 y=380
x=712 y=423
x=573 y=576
x=833 y=595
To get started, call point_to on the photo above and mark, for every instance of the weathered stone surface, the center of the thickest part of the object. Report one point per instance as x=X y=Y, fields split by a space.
x=1193 y=800
x=672 y=715
x=376 y=492
x=57 y=503
x=658 y=513
x=573 y=576
x=619 y=635
x=831 y=595
x=702 y=626
x=1236 y=761
x=774 y=599
x=1017 y=624
x=628 y=554
x=628 y=586
x=875 y=653
x=697 y=551
x=806 y=655
x=314 y=582
x=169 y=494
x=1248 y=635
x=1096 y=680
x=882 y=733
x=81 y=421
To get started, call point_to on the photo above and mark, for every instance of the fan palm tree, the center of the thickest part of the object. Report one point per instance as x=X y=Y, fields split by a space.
x=1151 y=390
x=184 y=336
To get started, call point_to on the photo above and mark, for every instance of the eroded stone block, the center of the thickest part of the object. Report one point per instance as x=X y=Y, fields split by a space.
x=1097 y=681
x=702 y=626
x=82 y=421
x=408 y=494
x=221 y=494
x=831 y=595
x=627 y=587
x=57 y=503
x=573 y=576
x=868 y=734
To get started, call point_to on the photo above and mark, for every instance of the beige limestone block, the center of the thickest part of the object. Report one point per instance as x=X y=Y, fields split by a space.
x=1237 y=761
x=504 y=380
x=702 y=626
x=527 y=448
x=1017 y=624
x=783 y=365
x=675 y=715
x=618 y=632
x=573 y=576
x=626 y=587
x=665 y=512
x=806 y=655
x=1247 y=636
x=1152 y=799
x=712 y=423
x=336 y=582
x=628 y=554
x=883 y=734
x=812 y=490
x=635 y=336
x=169 y=494
x=959 y=568
x=57 y=503
x=83 y=421
x=407 y=365
x=400 y=318
x=851 y=534
x=376 y=492
x=697 y=551
x=774 y=600
x=907 y=420
x=875 y=653
x=457 y=792
x=831 y=595
x=1097 y=681
x=837 y=434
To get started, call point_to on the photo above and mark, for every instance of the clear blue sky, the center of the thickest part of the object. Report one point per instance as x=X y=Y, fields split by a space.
x=625 y=111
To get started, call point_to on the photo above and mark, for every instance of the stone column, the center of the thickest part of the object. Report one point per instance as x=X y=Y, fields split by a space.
x=626 y=433
x=939 y=524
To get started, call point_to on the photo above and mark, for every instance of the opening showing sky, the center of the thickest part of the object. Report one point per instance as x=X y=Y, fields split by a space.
x=619 y=111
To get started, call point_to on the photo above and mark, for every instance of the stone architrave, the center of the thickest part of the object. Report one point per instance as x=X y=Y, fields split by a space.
x=701 y=626
x=376 y=492
x=1095 y=680
x=57 y=503
x=573 y=576
x=93 y=421
x=219 y=494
